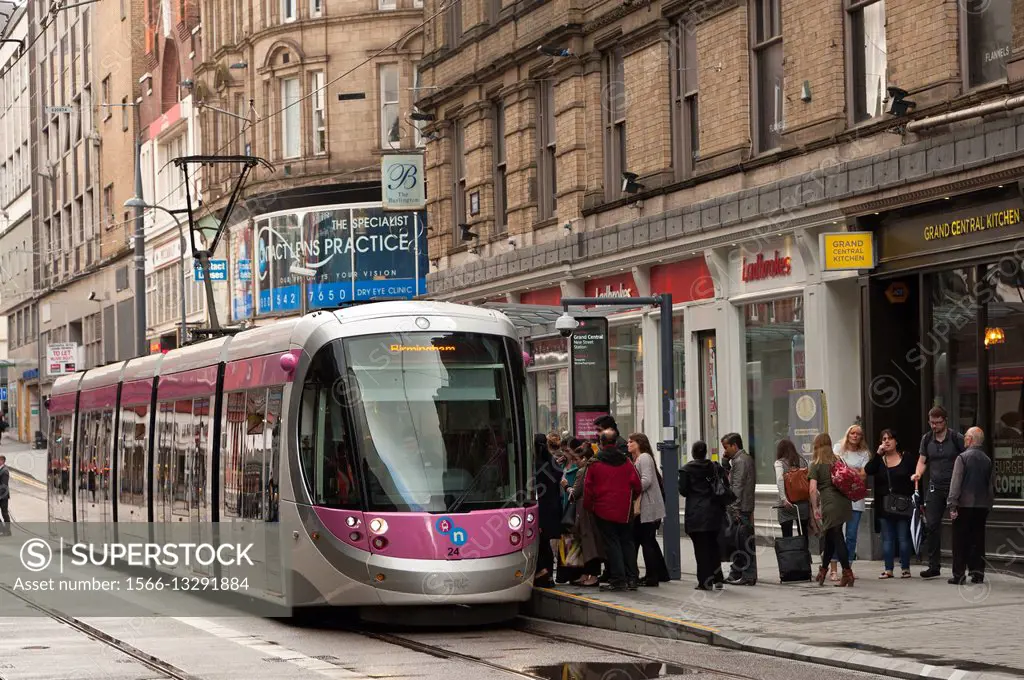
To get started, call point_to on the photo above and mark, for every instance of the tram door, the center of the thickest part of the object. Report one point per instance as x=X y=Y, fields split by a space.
x=709 y=392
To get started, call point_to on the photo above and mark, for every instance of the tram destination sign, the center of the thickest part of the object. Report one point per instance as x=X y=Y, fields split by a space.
x=589 y=373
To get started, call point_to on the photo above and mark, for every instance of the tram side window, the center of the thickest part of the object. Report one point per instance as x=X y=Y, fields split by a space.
x=328 y=458
x=60 y=454
x=134 y=443
x=272 y=447
x=233 y=439
x=199 y=443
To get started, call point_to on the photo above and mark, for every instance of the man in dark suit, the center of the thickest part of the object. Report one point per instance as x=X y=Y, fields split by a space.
x=5 y=497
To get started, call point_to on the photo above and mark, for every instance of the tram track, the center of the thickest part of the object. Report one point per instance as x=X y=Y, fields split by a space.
x=439 y=652
x=165 y=669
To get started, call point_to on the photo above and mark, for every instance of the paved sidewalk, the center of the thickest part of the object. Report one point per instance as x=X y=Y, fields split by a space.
x=905 y=628
x=21 y=457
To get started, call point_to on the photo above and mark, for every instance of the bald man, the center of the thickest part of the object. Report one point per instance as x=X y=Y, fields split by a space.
x=971 y=496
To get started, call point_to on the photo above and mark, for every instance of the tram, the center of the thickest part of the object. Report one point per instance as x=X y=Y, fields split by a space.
x=383 y=446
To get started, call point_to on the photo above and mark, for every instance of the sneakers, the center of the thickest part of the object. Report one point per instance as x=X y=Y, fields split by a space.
x=930 y=573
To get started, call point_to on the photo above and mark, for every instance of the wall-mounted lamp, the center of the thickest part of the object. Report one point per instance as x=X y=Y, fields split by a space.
x=994 y=336
x=421 y=116
x=187 y=83
x=805 y=91
x=898 y=106
x=239 y=65
x=467 y=233
x=629 y=183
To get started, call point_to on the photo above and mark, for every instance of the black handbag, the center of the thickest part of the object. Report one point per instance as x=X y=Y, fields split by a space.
x=896 y=504
x=569 y=516
x=720 y=490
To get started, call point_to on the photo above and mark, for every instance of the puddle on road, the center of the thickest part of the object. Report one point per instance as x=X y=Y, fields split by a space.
x=607 y=671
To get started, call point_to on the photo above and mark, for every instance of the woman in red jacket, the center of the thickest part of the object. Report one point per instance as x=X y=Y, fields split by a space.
x=610 y=488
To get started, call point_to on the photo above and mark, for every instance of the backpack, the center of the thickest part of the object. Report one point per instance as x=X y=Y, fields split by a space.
x=848 y=482
x=720 y=491
x=797 y=485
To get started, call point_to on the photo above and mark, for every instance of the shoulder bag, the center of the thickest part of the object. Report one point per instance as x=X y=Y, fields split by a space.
x=847 y=481
x=719 y=489
x=896 y=504
x=797 y=485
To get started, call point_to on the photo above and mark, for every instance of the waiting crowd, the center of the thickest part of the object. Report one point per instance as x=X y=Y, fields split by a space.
x=602 y=502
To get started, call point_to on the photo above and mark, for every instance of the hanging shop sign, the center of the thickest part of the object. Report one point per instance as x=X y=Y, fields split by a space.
x=355 y=252
x=946 y=225
x=588 y=352
x=847 y=250
x=401 y=179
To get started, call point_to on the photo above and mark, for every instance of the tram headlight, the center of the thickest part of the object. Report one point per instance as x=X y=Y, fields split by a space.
x=515 y=538
x=351 y=521
x=529 y=533
x=379 y=542
x=515 y=521
x=529 y=518
x=378 y=525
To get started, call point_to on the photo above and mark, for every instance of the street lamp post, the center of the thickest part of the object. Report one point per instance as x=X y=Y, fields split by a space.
x=139 y=204
x=668 y=447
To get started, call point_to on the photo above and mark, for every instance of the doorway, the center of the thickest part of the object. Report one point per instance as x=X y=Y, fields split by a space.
x=709 y=392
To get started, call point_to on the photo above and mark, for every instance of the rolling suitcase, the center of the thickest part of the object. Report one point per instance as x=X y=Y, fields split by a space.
x=794 y=556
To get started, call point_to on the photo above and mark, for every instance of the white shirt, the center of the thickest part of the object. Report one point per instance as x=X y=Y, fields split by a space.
x=856 y=460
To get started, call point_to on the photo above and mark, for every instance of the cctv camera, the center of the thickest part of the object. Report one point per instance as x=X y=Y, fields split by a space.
x=512 y=242
x=566 y=325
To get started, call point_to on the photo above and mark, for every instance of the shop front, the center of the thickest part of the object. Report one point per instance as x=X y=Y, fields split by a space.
x=944 y=326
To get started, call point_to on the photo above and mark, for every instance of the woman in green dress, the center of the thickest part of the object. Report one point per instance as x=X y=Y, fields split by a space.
x=831 y=511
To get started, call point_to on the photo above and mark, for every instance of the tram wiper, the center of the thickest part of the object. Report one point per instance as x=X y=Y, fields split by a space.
x=472 y=483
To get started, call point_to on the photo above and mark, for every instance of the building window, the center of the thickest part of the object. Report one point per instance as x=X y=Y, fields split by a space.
x=768 y=86
x=684 y=82
x=493 y=11
x=989 y=29
x=870 y=65
x=387 y=4
x=546 y=176
x=627 y=377
x=614 y=107
x=389 y=131
x=316 y=8
x=500 y=179
x=458 y=183
x=453 y=24
x=288 y=10
x=774 y=333
x=290 y=123
x=108 y=203
x=318 y=102
x=417 y=4
x=105 y=92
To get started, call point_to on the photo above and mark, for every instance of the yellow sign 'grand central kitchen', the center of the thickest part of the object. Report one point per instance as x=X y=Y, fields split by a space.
x=970 y=225
x=847 y=250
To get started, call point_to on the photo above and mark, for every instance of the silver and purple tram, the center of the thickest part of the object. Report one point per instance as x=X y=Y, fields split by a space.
x=386 y=443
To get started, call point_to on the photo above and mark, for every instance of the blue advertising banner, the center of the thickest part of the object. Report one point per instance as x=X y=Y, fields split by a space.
x=355 y=252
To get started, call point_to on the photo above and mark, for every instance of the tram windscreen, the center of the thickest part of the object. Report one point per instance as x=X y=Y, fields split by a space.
x=434 y=420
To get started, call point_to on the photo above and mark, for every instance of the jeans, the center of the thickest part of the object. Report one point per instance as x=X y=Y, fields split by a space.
x=895 y=530
x=706 y=551
x=969 y=542
x=835 y=545
x=645 y=537
x=621 y=553
x=934 y=509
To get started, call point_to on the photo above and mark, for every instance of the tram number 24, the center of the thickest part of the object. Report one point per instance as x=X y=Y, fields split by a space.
x=453 y=552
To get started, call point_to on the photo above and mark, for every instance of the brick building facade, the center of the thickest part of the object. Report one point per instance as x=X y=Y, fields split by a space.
x=748 y=131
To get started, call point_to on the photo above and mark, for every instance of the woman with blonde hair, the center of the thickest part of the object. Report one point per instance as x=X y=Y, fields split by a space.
x=852 y=450
x=830 y=510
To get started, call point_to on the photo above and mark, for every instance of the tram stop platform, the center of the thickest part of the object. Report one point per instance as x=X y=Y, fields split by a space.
x=901 y=628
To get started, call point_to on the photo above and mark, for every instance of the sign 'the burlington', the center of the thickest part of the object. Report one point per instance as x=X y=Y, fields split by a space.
x=762 y=268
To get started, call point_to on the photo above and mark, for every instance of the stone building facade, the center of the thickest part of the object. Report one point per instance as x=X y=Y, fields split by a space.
x=633 y=148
